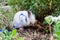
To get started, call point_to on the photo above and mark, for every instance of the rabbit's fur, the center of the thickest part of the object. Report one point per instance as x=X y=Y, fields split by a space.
x=23 y=18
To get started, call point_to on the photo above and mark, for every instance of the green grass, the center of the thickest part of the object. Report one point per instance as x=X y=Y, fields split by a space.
x=7 y=16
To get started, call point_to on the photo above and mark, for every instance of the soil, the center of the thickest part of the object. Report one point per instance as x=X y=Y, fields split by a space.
x=37 y=32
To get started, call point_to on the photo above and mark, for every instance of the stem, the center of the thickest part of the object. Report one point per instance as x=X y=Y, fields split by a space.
x=50 y=32
x=50 y=29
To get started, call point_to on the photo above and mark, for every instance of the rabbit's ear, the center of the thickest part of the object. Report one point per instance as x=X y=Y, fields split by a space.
x=29 y=13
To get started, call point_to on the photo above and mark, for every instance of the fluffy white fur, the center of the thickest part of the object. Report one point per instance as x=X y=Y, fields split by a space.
x=32 y=18
x=19 y=20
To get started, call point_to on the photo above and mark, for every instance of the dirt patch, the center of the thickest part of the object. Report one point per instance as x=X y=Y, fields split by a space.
x=37 y=32
x=33 y=34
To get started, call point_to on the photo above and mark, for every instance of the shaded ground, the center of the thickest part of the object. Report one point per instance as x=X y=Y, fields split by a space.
x=33 y=34
x=36 y=32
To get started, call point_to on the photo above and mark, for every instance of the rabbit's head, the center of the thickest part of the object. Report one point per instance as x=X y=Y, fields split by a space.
x=31 y=17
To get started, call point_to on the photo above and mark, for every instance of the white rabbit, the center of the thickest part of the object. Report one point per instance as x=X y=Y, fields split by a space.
x=32 y=18
x=23 y=18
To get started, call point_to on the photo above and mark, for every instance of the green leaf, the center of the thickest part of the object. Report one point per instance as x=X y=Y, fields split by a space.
x=57 y=29
x=58 y=23
x=20 y=38
x=2 y=36
x=7 y=33
x=58 y=33
x=14 y=32
x=48 y=20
